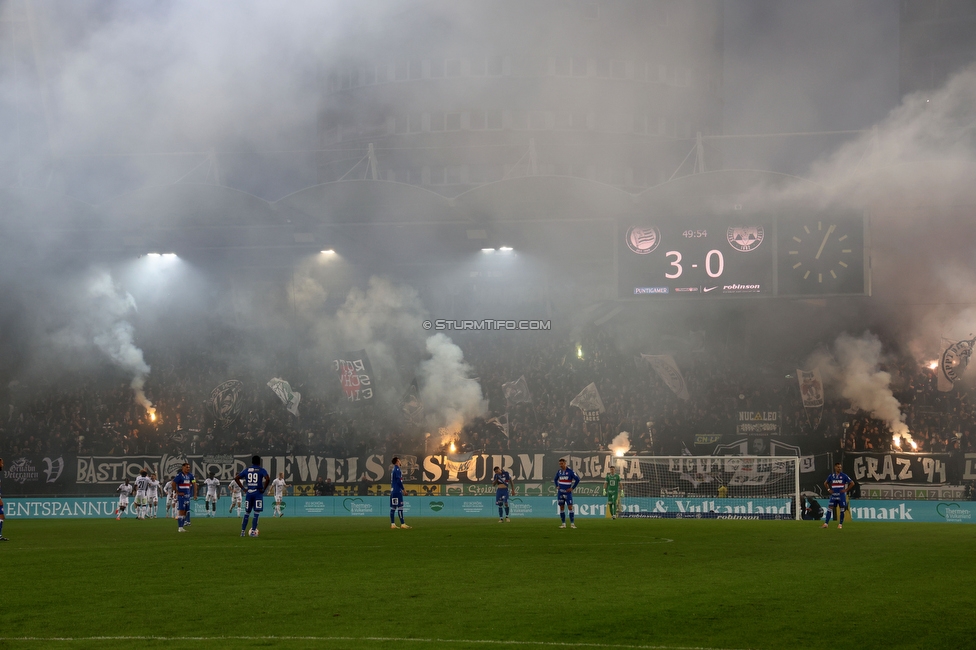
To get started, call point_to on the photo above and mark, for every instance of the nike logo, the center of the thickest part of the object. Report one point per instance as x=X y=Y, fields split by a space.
x=707 y=289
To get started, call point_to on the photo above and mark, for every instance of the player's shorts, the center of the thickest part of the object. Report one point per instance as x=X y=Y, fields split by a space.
x=838 y=500
x=183 y=503
x=501 y=497
x=396 y=499
x=235 y=499
x=1 y=508
x=153 y=500
x=255 y=502
x=211 y=497
x=612 y=495
x=123 y=502
x=564 y=498
x=142 y=500
x=278 y=499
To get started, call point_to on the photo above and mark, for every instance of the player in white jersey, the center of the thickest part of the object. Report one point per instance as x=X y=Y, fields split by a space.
x=170 y=499
x=153 y=496
x=235 y=497
x=279 y=486
x=142 y=494
x=213 y=493
x=124 y=491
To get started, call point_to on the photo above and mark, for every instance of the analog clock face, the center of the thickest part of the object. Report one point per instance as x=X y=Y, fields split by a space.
x=822 y=255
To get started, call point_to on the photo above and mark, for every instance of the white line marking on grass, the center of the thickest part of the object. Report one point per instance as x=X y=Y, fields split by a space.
x=277 y=542
x=659 y=540
x=382 y=639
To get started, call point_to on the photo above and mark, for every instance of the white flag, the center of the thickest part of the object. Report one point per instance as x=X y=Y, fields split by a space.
x=501 y=422
x=288 y=397
x=811 y=388
x=517 y=391
x=667 y=369
x=588 y=400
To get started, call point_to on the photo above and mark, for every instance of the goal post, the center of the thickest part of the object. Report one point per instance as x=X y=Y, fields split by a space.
x=710 y=487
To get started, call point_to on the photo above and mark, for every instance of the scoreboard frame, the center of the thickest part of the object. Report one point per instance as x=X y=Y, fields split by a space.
x=807 y=254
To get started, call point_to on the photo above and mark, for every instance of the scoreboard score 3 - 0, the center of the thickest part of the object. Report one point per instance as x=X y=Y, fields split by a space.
x=740 y=255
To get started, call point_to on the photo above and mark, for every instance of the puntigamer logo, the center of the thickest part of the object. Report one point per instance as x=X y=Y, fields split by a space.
x=954 y=513
x=436 y=506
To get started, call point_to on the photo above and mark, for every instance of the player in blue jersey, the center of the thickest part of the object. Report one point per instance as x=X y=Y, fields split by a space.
x=503 y=487
x=839 y=484
x=396 y=494
x=185 y=486
x=566 y=480
x=255 y=481
x=2 y=538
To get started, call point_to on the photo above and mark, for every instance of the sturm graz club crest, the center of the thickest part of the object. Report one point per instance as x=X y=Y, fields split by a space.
x=955 y=358
x=643 y=240
x=745 y=238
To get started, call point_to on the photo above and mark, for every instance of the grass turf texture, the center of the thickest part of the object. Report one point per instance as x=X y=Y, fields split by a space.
x=715 y=584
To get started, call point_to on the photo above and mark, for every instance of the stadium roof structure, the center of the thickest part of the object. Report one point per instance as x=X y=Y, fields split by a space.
x=376 y=220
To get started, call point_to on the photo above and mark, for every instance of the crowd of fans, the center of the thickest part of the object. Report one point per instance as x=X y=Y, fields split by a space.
x=98 y=416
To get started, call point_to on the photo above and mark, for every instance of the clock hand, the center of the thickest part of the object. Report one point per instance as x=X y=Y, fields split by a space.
x=824 y=242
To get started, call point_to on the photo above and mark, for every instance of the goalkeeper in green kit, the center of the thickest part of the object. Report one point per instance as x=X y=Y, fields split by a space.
x=612 y=486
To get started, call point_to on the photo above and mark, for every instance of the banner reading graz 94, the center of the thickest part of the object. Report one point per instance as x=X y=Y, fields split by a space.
x=872 y=467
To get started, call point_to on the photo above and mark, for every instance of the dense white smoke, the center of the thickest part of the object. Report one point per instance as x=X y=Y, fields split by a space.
x=924 y=128
x=112 y=333
x=620 y=445
x=386 y=320
x=451 y=397
x=854 y=370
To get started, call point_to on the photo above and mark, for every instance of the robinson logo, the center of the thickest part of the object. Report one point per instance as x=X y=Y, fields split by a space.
x=643 y=240
x=741 y=288
x=745 y=238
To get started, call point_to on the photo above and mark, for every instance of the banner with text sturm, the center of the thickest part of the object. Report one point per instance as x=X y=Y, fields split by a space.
x=465 y=474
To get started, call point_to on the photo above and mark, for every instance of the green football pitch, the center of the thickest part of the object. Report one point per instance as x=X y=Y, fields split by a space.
x=463 y=583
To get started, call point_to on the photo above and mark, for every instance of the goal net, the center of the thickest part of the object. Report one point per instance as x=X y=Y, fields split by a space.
x=703 y=487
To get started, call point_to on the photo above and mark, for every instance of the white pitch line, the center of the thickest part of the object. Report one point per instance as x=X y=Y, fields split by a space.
x=659 y=540
x=382 y=639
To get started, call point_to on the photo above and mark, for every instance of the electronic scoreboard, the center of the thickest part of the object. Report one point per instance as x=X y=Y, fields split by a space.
x=741 y=255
